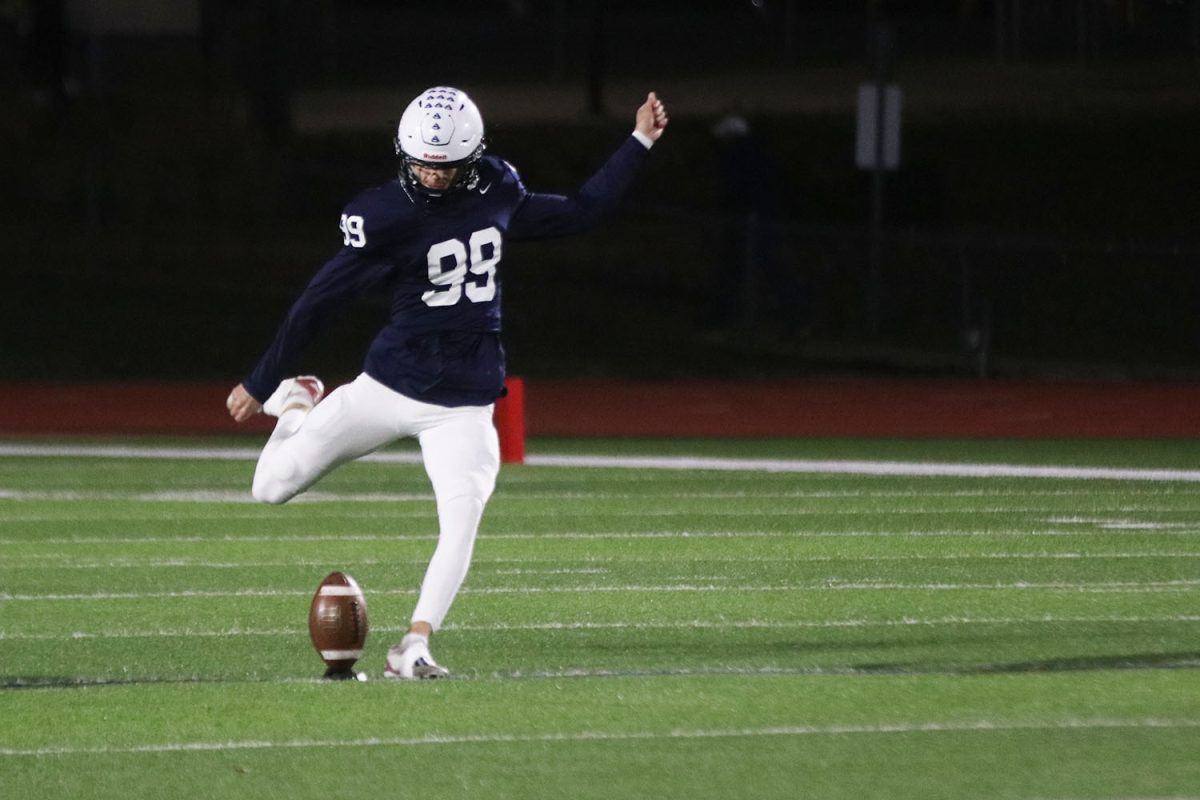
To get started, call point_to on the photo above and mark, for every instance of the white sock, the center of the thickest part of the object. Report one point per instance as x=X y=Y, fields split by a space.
x=411 y=638
x=459 y=521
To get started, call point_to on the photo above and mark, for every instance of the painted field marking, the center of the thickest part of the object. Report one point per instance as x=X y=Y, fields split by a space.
x=1025 y=533
x=882 y=729
x=514 y=492
x=695 y=624
x=63 y=561
x=831 y=584
x=878 y=468
x=815 y=466
x=242 y=497
x=502 y=506
x=235 y=496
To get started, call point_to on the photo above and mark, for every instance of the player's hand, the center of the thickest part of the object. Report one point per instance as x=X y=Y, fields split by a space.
x=651 y=117
x=241 y=404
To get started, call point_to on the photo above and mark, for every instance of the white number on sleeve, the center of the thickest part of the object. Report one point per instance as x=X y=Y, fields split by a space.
x=354 y=232
x=450 y=261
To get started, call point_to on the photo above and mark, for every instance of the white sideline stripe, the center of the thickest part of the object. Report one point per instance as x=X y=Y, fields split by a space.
x=883 y=729
x=59 y=561
x=696 y=624
x=574 y=535
x=901 y=468
x=242 y=496
x=818 y=466
x=501 y=509
x=821 y=624
x=167 y=453
x=1128 y=587
x=205 y=496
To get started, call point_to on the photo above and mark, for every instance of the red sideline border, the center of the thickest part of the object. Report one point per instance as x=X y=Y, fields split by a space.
x=809 y=408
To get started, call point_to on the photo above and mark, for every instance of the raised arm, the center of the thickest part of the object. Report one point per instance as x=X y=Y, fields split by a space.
x=546 y=215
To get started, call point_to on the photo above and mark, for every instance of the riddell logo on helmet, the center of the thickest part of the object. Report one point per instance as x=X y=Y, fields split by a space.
x=434 y=156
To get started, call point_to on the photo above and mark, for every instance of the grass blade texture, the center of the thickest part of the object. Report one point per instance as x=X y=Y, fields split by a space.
x=775 y=621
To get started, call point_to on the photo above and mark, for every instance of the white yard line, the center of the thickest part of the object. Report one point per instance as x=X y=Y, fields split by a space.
x=870 y=494
x=61 y=561
x=503 y=507
x=205 y=496
x=243 y=496
x=695 y=624
x=1024 y=533
x=882 y=729
x=817 y=466
x=831 y=584
x=880 y=468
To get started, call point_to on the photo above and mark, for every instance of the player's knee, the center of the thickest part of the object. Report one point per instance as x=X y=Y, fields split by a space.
x=483 y=478
x=273 y=482
x=271 y=492
x=477 y=484
x=483 y=485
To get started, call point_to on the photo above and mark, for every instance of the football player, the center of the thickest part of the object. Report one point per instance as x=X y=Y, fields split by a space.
x=432 y=242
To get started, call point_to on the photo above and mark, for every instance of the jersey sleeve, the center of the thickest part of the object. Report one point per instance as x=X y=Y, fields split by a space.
x=359 y=266
x=547 y=215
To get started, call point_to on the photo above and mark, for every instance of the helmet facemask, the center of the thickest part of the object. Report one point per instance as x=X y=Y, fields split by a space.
x=467 y=177
x=440 y=129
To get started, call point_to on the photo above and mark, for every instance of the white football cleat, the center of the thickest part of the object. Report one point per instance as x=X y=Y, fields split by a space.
x=305 y=391
x=410 y=660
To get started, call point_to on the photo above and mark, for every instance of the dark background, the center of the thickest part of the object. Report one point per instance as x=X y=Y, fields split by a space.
x=173 y=172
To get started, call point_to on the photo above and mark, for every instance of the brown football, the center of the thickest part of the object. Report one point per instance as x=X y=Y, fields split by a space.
x=337 y=623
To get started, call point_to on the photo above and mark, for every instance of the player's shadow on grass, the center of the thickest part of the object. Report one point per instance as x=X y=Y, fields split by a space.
x=1087 y=663
x=1184 y=660
x=15 y=682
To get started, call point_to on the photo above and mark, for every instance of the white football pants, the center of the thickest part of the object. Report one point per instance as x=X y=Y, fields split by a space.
x=459 y=446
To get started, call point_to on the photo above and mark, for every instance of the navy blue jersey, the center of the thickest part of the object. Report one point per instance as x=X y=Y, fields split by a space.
x=437 y=260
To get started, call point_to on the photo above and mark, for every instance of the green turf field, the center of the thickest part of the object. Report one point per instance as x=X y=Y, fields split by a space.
x=626 y=631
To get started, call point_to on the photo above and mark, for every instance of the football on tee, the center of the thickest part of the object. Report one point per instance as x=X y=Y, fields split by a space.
x=337 y=624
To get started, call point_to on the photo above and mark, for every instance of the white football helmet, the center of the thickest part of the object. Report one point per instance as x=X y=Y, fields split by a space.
x=440 y=128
